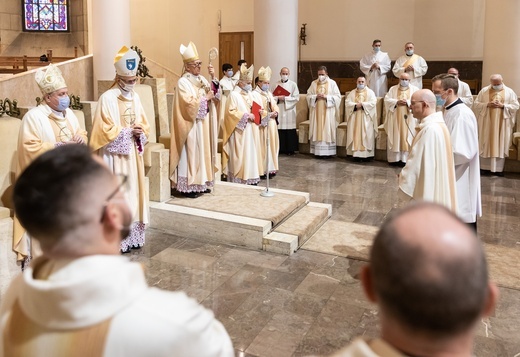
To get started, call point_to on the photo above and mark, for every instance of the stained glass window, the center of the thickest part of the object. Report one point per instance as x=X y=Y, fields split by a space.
x=46 y=15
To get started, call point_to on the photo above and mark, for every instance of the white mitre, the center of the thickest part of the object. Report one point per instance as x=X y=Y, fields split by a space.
x=189 y=53
x=264 y=74
x=49 y=79
x=246 y=74
x=126 y=62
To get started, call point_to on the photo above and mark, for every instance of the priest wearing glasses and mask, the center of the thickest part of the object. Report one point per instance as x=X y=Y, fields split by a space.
x=120 y=130
x=194 y=129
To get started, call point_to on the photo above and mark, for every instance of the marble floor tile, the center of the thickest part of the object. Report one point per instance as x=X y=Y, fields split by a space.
x=312 y=303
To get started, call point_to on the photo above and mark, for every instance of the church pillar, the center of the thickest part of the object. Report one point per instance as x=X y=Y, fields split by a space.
x=276 y=36
x=501 y=52
x=110 y=32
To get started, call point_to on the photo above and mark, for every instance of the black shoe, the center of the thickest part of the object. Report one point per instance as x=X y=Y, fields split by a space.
x=207 y=190
x=190 y=194
x=272 y=175
x=498 y=174
x=263 y=177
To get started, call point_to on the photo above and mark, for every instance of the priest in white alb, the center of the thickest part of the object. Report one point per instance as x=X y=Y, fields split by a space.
x=462 y=124
x=399 y=121
x=375 y=65
x=464 y=92
x=194 y=129
x=240 y=135
x=411 y=63
x=49 y=125
x=495 y=108
x=269 y=154
x=120 y=131
x=323 y=99
x=361 y=115
x=429 y=174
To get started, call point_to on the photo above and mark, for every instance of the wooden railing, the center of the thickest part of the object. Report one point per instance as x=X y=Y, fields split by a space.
x=18 y=64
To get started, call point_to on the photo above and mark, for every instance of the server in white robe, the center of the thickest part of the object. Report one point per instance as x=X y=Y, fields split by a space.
x=429 y=174
x=323 y=99
x=399 y=121
x=226 y=85
x=411 y=63
x=495 y=108
x=462 y=124
x=464 y=92
x=375 y=65
x=240 y=134
x=81 y=298
x=361 y=115
x=268 y=153
x=287 y=112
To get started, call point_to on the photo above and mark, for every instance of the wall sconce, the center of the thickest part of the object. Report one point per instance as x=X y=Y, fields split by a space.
x=303 y=35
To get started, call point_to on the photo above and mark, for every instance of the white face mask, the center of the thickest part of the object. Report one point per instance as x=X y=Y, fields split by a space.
x=229 y=73
x=284 y=77
x=360 y=86
x=409 y=52
x=126 y=87
x=405 y=82
x=322 y=77
x=498 y=87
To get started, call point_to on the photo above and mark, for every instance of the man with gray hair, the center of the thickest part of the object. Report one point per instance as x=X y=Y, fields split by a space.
x=81 y=297
x=429 y=174
x=428 y=275
x=495 y=108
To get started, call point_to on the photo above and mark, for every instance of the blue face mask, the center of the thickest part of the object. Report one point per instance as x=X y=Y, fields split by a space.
x=439 y=101
x=360 y=86
x=377 y=49
x=64 y=103
x=247 y=88
x=229 y=73
x=409 y=52
x=265 y=87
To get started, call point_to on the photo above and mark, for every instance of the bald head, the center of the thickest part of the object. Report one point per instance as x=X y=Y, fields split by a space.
x=425 y=264
x=495 y=79
x=404 y=75
x=454 y=71
x=423 y=103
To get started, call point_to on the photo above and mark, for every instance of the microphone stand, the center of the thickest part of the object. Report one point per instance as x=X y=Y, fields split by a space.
x=266 y=192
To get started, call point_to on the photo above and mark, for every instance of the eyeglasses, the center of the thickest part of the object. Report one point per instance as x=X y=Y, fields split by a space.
x=196 y=64
x=122 y=185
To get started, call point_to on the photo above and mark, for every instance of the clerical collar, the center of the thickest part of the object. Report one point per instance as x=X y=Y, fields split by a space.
x=457 y=102
x=285 y=81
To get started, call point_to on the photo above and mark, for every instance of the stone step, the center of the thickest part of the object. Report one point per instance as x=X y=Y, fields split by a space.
x=304 y=223
x=232 y=214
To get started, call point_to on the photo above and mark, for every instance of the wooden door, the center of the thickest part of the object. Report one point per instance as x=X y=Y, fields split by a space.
x=234 y=46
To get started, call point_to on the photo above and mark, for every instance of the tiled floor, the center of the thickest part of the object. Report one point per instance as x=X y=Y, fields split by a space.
x=311 y=303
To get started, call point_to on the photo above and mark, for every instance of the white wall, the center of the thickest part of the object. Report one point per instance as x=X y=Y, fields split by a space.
x=440 y=29
x=159 y=29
